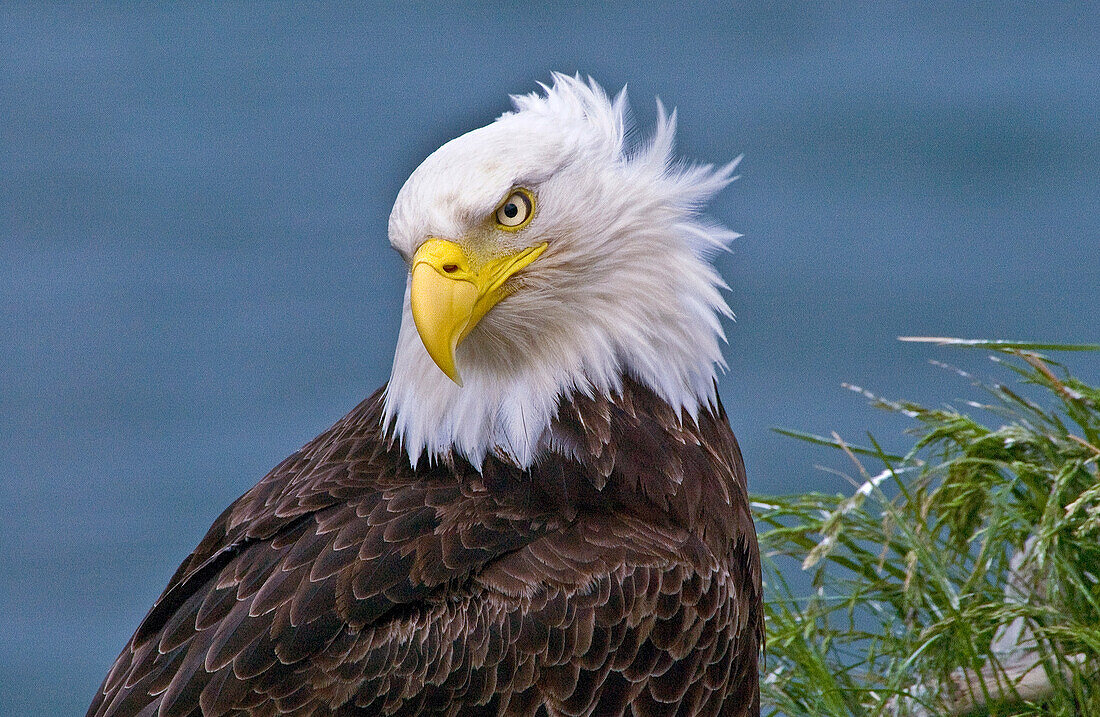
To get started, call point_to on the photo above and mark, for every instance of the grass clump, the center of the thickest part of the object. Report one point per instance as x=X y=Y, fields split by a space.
x=961 y=578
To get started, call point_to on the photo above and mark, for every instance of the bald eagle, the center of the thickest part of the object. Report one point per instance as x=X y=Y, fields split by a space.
x=544 y=511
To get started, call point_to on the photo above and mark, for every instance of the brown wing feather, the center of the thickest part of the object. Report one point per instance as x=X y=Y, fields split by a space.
x=624 y=580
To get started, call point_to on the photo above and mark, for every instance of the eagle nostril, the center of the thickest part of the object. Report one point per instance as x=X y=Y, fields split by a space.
x=450 y=268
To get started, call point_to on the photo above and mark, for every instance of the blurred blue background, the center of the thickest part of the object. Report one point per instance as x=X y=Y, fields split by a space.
x=196 y=280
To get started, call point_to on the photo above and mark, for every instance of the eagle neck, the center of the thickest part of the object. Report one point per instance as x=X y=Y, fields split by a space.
x=509 y=415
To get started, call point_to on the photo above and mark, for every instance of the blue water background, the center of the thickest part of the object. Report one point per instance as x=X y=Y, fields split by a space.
x=195 y=278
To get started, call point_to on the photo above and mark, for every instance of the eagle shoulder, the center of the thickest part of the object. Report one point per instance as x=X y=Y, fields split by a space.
x=340 y=536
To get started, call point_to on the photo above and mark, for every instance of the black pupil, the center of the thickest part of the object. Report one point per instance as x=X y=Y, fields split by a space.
x=511 y=210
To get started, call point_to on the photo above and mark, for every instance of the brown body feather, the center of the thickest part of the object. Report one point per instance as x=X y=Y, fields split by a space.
x=618 y=575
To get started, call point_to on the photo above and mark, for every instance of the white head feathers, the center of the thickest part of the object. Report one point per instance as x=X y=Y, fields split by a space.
x=625 y=285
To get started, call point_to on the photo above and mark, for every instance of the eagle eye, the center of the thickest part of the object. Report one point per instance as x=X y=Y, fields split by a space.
x=515 y=212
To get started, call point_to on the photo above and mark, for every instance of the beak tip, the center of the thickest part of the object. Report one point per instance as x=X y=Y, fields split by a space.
x=452 y=374
x=447 y=367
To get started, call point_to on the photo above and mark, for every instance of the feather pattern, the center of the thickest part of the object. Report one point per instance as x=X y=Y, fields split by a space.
x=621 y=579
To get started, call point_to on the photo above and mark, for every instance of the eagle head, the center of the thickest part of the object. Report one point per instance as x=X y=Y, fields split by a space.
x=548 y=256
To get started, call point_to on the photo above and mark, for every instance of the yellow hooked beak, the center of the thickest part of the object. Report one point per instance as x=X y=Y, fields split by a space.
x=449 y=295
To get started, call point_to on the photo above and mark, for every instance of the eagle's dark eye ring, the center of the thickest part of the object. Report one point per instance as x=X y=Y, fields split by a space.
x=515 y=212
